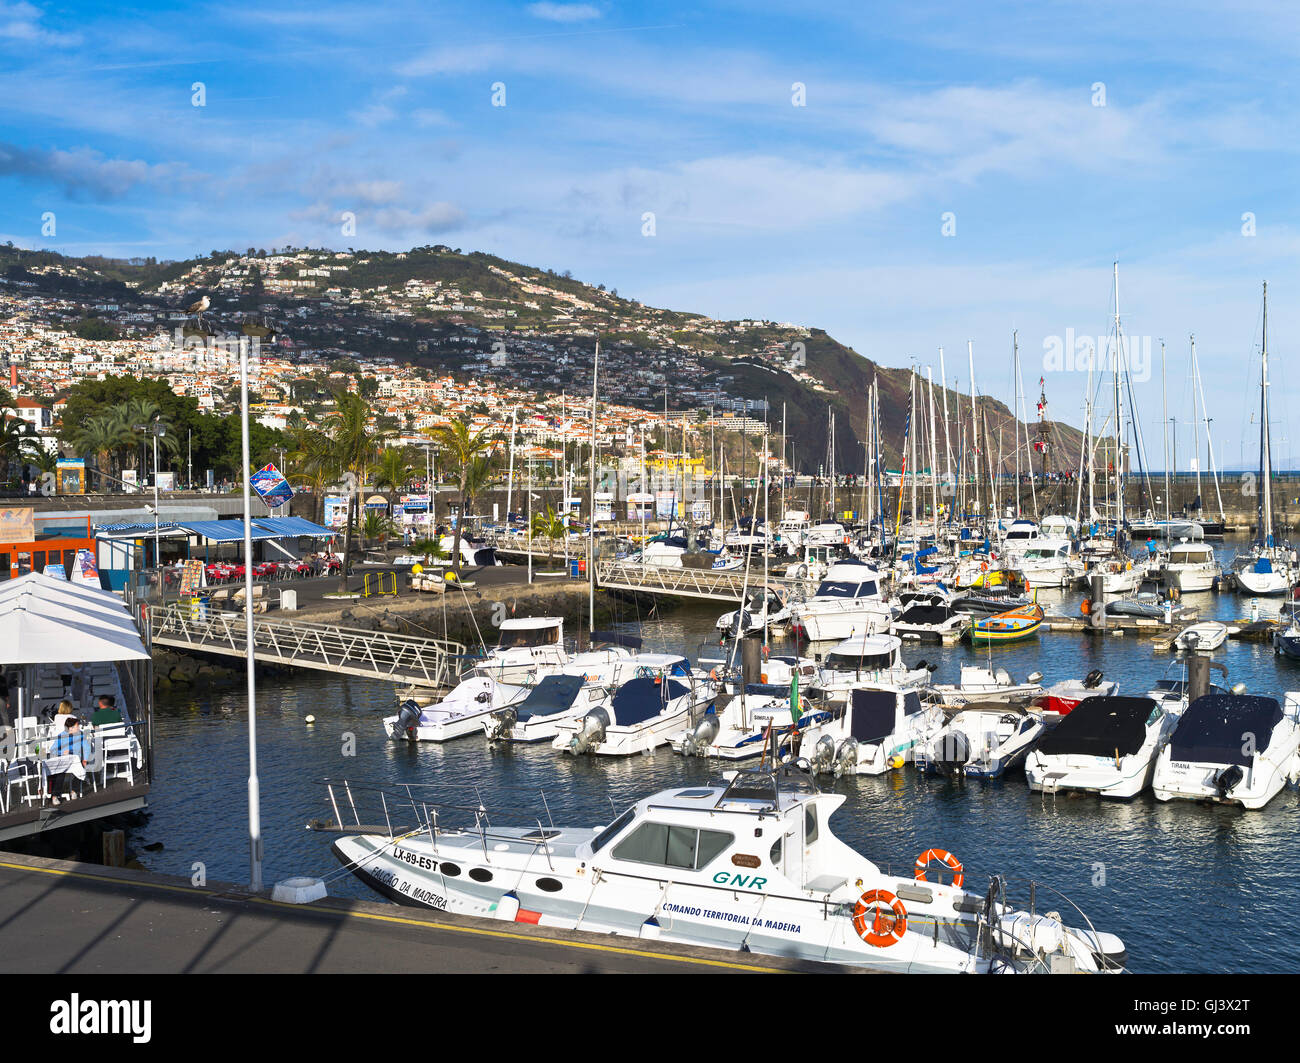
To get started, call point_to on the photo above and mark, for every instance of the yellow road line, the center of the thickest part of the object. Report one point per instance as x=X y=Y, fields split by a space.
x=401 y=920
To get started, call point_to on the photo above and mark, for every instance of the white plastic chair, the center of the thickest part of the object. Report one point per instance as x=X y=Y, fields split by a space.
x=116 y=752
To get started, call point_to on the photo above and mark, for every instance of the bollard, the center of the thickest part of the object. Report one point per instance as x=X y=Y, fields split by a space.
x=114 y=848
x=1097 y=611
x=751 y=650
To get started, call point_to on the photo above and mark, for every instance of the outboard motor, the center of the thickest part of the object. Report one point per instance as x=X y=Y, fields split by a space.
x=501 y=723
x=1226 y=778
x=1093 y=679
x=697 y=742
x=592 y=732
x=952 y=753
x=823 y=754
x=739 y=624
x=408 y=719
x=846 y=757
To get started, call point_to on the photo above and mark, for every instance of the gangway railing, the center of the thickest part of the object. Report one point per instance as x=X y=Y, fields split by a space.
x=722 y=585
x=425 y=662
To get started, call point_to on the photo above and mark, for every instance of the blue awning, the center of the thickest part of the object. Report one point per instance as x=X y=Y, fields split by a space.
x=225 y=531
x=294 y=526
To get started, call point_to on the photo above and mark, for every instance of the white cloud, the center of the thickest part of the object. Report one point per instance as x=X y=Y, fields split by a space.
x=21 y=22
x=452 y=59
x=564 y=12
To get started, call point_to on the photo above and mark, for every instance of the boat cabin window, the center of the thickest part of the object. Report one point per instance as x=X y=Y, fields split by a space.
x=809 y=825
x=604 y=836
x=669 y=845
x=866 y=662
x=528 y=636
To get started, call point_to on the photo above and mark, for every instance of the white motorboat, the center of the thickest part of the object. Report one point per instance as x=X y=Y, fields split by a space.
x=537 y=717
x=1061 y=697
x=876 y=731
x=642 y=715
x=1203 y=637
x=1106 y=746
x=524 y=644
x=1047 y=563
x=876 y=659
x=1020 y=536
x=847 y=602
x=759 y=611
x=742 y=728
x=1232 y=748
x=1119 y=575
x=460 y=713
x=986 y=684
x=750 y=865
x=929 y=617
x=1188 y=567
x=981 y=742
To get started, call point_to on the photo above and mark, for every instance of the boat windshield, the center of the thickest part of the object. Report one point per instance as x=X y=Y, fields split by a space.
x=845 y=589
x=512 y=637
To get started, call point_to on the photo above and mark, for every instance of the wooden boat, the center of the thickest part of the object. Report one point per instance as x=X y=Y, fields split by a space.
x=1011 y=626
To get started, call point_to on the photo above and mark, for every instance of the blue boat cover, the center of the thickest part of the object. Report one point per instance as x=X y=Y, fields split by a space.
x=1263 y=566
x=639 y=699
x=555 y=693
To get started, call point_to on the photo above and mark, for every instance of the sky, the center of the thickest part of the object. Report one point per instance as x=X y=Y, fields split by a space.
x=908 y=177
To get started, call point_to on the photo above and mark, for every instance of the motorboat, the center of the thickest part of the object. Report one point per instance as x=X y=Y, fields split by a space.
x=1019 y=537
x=1048 y=563
x=642 y=715
x=1202 y=638
x=1172 y=695
x=761 y=609
x=989 y=602
x=524 y=644
x=1011 y=626
x=474 y=550
x=460 y=713
x=1188 y=567
x=875 y=732
x=847 y=602
x=537 y=717
x=1060 y=698
x=1106 y=746
x=981 y=741
x=929 y=617
x=1232 y=748
x=1119 y=574
x=747 y=863
x=741 y=729
x=869 y=658
x=1287 y=641
x=986 y=684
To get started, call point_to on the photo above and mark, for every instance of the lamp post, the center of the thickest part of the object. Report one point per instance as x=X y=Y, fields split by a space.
x=157 y=431
x=254 y=795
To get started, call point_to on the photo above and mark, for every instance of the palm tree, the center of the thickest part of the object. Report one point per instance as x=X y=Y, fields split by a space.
x=392 y=470
x=549 y=526
x=464 y=452
x=314 y=467
x=352 y=450
x=97 y=438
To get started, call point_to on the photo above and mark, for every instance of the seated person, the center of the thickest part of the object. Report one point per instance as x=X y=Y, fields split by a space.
x=65 y=708
x=70 y=742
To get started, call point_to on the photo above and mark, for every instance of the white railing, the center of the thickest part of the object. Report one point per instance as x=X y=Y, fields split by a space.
x=725 y=585
x=325 y=647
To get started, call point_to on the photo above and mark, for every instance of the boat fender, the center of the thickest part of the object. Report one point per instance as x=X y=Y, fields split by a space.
x=1085 y=607
x=880 y=918
x=944 y=857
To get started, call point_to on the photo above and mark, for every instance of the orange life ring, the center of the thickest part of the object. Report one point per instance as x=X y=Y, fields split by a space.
x=984 y=566
x=944 y=857
x=877 y=925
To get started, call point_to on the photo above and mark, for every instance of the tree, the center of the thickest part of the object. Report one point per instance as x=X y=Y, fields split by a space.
x=352 y=448
x=464 y=453
x=549 y=526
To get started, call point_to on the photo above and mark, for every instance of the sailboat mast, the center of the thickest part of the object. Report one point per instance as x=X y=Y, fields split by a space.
x=591 y=524
x=1209 y=439
x=970 y=359
x=1196 y=433
x=934 y=459
x=1015 y=359
x=1119 y=423
x=1265 y=441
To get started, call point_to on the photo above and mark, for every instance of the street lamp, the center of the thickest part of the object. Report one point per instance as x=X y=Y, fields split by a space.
x=157 y=431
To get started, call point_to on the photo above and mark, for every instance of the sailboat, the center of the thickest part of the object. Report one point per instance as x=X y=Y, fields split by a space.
x=1267 y=568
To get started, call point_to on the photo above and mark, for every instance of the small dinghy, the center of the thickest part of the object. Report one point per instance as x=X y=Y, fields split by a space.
x=1202 y=637
x=460 y=713
x=930 y=618
x=1061 y=697
x=986 y=684
x=1208 y=760
x=1011 y=626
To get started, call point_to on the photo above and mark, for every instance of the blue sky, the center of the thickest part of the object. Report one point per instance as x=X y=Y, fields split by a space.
x=828 y=214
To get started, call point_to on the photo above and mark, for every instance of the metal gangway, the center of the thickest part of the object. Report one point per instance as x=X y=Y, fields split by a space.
x=727 y=585
x=421 y=662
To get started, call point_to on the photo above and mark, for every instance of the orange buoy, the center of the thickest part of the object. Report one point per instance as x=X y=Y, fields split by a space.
x=944 y=857
x=879 y=918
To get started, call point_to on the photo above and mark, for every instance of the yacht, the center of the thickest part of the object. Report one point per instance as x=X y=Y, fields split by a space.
x=876 y=731
x=1020 y=536
x=847 y=602
x=1106 y=746
x=743 y=726
x=1048 y=563
x=1188 y=567
x=748 y=863
x=524 y=644
x=870 y=659
x=1232 y=748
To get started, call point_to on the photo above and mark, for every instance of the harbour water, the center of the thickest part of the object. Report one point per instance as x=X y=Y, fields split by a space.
x=1189 y=887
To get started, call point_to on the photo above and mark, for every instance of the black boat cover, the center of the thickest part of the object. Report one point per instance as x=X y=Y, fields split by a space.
x=873 y=714
x=1219 y=728
x=555 y=693
x=925 y=614
x=1101 y=727
x=639 y=699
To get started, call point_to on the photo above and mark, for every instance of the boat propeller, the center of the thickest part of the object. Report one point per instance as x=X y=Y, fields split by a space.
x=592 y=731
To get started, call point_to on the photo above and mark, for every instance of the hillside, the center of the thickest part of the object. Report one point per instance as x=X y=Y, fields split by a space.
x=484 y=316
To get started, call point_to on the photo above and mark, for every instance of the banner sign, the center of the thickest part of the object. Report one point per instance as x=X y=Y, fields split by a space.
x=192 y=576
x=85 y=570
x=271 y=485
x=17 y=524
